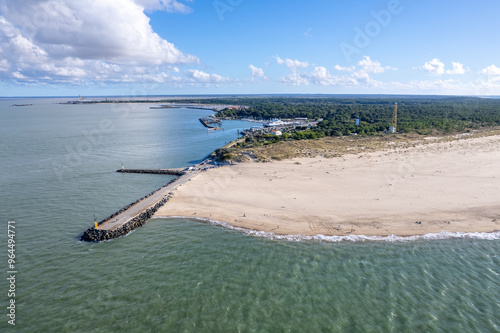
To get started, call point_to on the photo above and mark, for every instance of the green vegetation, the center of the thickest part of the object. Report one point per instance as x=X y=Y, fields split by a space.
x=332 y=146
x=416 y=114
x=224 y=154
x=420 y=114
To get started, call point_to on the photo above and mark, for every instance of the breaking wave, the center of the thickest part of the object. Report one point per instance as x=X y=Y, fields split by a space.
x=349 y=238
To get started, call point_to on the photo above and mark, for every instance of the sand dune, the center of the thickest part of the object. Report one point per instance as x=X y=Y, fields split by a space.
x=444 y=186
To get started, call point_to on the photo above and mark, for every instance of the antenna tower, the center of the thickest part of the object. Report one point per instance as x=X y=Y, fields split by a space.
x=395 y=117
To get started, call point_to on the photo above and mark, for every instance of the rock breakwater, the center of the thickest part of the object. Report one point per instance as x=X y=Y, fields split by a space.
x=98 y=235
x=173 y=172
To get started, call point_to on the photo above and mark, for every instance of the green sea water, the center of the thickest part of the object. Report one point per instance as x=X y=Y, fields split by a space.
x=182 y=275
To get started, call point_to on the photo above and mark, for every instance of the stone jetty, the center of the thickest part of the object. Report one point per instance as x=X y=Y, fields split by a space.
x=98 y=235
x=172 y=172
x=137 y=213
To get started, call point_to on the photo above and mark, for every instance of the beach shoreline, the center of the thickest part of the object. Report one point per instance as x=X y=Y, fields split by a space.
x=404 y=190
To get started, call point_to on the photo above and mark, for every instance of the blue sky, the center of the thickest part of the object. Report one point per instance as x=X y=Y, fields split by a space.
x=169 y=47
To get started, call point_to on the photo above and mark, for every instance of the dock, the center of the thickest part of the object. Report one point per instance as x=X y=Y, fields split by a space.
x=209 y=122
x=212 y=107
x=172 y=172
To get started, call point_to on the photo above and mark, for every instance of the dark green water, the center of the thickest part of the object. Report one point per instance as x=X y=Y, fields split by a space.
x=180 y=275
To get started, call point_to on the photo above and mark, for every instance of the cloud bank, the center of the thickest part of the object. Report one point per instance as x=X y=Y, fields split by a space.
x=437 y=67
x=77 y=41
x=360 y=75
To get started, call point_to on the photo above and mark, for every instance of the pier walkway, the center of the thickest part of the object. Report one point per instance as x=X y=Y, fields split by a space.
x=137 y=213
x=174 y=172
x=143 y=205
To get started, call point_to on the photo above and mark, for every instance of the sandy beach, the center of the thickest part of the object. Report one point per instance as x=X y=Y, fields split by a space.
x=408 y=190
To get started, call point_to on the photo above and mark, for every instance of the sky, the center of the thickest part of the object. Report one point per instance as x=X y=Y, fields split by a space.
x=185 y=47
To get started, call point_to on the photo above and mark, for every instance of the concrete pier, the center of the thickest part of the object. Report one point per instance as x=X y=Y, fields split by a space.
x=138 y=212
x=208 y=123
x=173 y=172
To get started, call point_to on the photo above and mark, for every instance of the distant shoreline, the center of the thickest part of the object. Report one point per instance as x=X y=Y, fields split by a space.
x=407 y=189
x=205 y=96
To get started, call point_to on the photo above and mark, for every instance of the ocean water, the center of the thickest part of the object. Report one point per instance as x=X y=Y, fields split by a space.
x=182 y=275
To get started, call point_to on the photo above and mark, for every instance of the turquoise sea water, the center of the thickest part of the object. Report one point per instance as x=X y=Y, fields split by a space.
x=179 y=275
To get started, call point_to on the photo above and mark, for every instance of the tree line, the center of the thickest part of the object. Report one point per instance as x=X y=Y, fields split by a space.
x=338 y=115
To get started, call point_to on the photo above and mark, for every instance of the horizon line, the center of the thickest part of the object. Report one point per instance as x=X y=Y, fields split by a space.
x=236 y=95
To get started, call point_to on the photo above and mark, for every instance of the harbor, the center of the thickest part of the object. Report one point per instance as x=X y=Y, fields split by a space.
x=213 y=107
x=137 y=213
x=211 y=123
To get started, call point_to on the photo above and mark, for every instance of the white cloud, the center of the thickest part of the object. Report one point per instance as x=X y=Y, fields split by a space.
x=295 y=79
x=369 y=66
x=18 y=75
x=458 y=68
x=360 y=74
x=488 y=87
x=292 y=64
x=445 y=87
x=432 y=85
x=197 y=76
x=116 y=31
x=79 y=41
x=363 y=78
x=170 y=6
x=4 y=65
x=435 y=66
x=257 y=72
x=491 y=70
x=321 y=76
x=344 y=69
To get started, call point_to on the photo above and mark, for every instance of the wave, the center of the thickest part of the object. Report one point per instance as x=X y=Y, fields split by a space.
x=350 y=238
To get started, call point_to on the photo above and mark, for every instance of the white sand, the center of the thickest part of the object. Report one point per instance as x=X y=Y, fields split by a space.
x=448 y=186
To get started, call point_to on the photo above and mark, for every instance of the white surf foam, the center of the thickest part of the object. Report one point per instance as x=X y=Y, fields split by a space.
x=350 y=238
